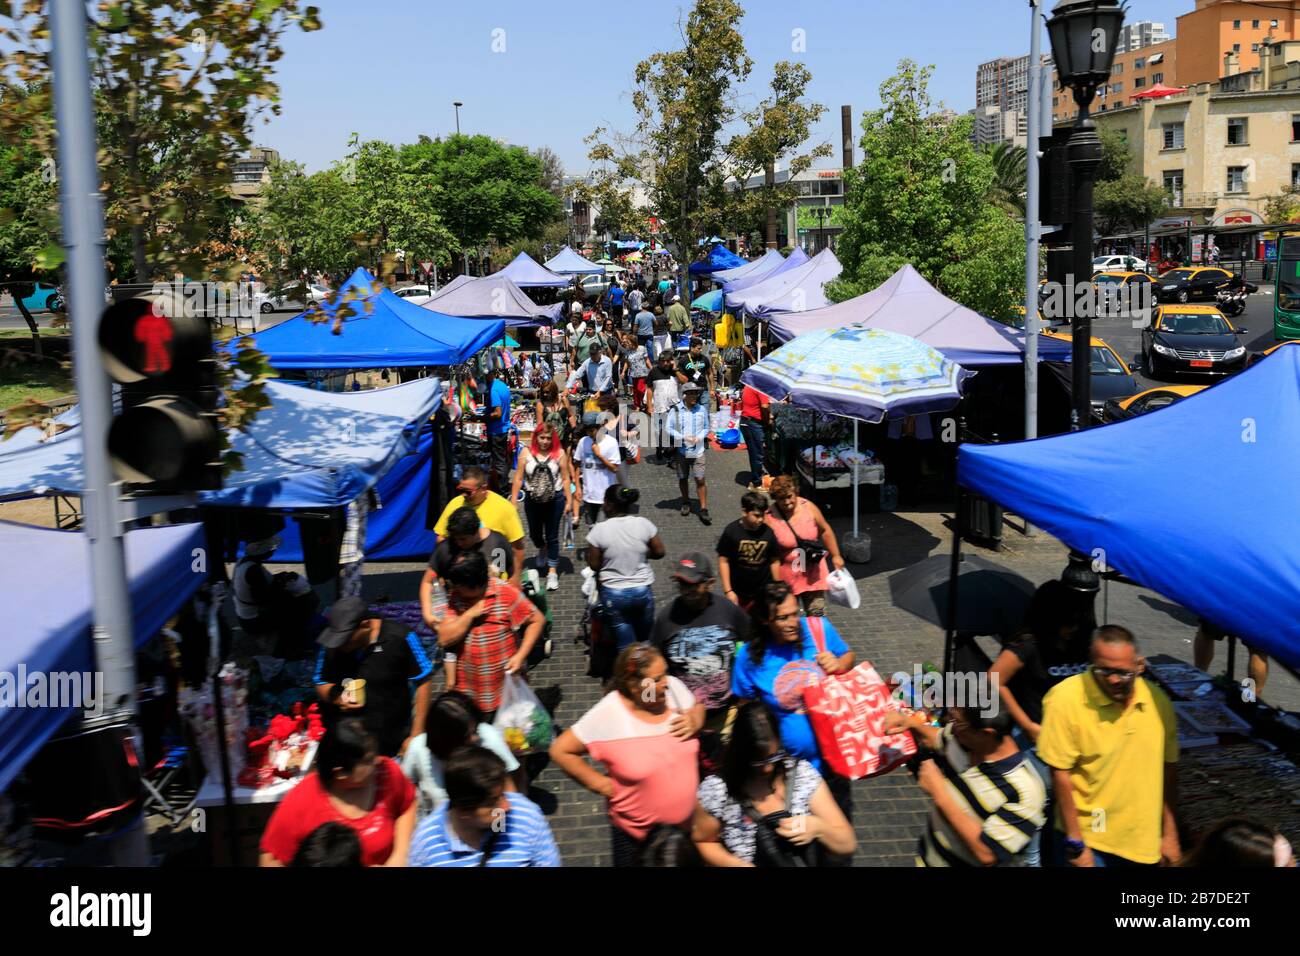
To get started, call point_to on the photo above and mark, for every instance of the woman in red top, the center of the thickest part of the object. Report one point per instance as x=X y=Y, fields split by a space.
x=794 y=520
x=353 y=786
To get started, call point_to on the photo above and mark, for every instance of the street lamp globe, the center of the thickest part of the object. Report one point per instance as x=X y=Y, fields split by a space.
x=1083 y=35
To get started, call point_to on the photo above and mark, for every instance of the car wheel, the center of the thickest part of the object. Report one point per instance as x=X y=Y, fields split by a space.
x=1183 y=295
x=267 y=307
x=54 y=303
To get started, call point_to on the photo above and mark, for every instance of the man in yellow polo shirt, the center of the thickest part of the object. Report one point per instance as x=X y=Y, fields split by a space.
x=496 y=513
x=1111 y=740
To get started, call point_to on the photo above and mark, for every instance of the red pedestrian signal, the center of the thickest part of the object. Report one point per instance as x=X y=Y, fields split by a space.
x=166 y=438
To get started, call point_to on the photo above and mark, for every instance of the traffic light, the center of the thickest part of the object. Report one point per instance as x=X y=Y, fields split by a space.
x=1054 y=178
x=165 y=437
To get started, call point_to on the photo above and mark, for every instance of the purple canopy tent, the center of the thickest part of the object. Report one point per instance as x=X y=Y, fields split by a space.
x=790 y=290
x=797 y=258
x=491 y=297
x=525 y=272
x=907 y=304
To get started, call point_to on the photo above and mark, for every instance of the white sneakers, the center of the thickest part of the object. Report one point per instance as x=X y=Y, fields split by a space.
x=552 y=582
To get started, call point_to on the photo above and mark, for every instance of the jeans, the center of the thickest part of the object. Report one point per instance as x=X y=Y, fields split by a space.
x=544 y=526
x=634 y=613
x=649 y=342
x=499 y=473
x=1034 y=849
x=1099 y=857
x=754 y=436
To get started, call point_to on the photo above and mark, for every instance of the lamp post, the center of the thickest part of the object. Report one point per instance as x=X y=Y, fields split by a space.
x=458 y=104
x=1083 y=35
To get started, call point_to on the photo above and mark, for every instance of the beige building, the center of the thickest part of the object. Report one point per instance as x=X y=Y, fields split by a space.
x=1221 y=148
x=252 y=172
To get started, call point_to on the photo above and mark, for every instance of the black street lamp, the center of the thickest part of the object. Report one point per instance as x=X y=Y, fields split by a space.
x=458 y=104
x=1083 y=35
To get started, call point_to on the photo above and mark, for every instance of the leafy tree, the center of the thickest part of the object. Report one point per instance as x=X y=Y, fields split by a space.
x=1010 y=178
x=552 y=171
x=1129 y=202
x=1284 y=207
x=178 y=86
x=683 y=152
x=486 y=193
x=920 y=196
x=1116 y=157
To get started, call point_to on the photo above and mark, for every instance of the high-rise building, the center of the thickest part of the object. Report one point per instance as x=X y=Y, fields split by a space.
x=995 y=125
x=1004 y=82
x=1144 y=33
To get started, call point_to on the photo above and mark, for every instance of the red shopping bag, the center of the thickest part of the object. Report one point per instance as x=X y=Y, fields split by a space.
x=847 y=712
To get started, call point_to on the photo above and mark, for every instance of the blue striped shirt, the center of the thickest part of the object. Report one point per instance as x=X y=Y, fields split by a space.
x=525 y=840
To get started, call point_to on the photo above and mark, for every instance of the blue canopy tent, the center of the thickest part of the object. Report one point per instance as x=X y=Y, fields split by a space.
x=1225 y=547
x=45 y=589
x=566 y=262
x=795 y=260
x=761 y=267
x=394 y=333
x=719 y=258
x=289 y=464
x=527 y=273
x=490 y=297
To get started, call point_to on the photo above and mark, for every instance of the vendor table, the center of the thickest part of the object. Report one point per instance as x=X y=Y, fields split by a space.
x=248 y=817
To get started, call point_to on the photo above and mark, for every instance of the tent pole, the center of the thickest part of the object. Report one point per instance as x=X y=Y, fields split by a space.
x=959 y=531
x=855 y=478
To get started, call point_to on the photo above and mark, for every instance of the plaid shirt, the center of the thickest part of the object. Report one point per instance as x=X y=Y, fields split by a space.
x=481 y=670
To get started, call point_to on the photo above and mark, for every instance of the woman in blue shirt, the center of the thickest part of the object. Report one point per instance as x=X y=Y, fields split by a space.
x=781 y=659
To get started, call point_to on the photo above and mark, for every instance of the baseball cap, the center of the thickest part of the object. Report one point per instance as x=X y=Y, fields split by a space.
x=693 y=567
x=344 y=618
x=691 y=387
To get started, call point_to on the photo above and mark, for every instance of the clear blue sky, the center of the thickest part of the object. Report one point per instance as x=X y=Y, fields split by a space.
x=390 y=69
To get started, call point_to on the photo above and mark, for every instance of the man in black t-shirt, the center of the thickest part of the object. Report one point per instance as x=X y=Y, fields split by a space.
x=748 y=555
x=697 y=634
x=360 y=646
x=465 y=532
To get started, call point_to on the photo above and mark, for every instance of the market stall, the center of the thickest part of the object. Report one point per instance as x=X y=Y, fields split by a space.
x=795 y=289
x=566 y=262
x=491 y=297
x=527 y=273
x=758 y=269
x=45 y=585
x=718 y=258
x=795 y=260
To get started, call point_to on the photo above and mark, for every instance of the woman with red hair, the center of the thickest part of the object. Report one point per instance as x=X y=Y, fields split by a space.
x=545 y=476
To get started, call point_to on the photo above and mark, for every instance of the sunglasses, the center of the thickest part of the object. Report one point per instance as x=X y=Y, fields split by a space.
x=779 y=757
x=467 y=492
x=1115 y=672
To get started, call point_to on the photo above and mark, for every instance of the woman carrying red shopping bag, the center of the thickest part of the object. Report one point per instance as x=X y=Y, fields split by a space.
x=780 y=662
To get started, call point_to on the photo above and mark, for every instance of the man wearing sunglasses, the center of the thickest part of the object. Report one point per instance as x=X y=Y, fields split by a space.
x=1112 y=742
x=496 y=514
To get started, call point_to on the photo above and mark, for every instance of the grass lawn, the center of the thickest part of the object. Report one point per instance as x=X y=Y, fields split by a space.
x=21 y=379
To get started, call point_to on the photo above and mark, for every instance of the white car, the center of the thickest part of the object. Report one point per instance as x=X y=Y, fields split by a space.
x=282 y=303
x=1118 y=264
x=415 y=294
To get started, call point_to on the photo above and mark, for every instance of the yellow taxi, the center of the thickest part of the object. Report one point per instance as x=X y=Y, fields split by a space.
x=1122 y=278
x=1118 y=409
x=1111 y=376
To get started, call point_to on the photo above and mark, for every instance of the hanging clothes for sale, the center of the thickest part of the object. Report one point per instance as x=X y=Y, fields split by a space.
x=322 y=538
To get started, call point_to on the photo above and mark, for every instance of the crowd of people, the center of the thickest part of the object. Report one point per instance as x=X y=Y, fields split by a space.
x=701 y=745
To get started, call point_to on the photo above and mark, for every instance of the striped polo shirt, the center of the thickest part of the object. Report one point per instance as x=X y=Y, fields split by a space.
x=1007 y=796
x=525 y=840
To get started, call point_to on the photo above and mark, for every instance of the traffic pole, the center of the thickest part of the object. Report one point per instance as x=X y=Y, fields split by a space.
x=1032 y=225
x=83 y=239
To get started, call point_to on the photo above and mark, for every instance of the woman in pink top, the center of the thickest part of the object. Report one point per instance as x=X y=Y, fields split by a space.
x=796 y=519
x=644 y=732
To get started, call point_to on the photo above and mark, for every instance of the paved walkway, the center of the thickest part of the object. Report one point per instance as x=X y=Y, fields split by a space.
x=889 y=811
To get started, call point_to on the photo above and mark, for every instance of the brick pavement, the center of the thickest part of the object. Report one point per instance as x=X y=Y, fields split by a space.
x=889 y=811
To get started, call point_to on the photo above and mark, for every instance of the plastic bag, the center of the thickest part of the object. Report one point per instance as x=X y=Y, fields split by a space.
x=522 y=719
x=842 y=589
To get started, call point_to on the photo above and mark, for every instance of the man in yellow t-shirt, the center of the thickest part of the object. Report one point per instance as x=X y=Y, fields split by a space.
x=496 y=513
x=1111 y=740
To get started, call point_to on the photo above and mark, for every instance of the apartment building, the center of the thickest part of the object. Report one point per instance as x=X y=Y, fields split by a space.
x=1225 y=147
x=1132 y=72
x=1217 y=27
x=1135 y=36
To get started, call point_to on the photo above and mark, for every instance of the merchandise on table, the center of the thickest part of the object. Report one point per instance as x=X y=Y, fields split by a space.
x=198 y=710
x=1212 y=717
x=1253 y=778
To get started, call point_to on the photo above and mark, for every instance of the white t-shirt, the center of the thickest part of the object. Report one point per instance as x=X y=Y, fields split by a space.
x=595 y=476
x=623 y=541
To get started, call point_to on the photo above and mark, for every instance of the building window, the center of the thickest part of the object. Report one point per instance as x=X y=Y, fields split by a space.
x=1237 y=132
x=1139 y=82
x=1236 y=24
x=1118 y=87
x=1157 y=78
x=1295 y=127
x=1236 y=48
x=1173 y=182
x=1295 y=175
x=1273 y=24
x=1139 y=63
x=1055 y=98
x=1173 y=136
x=1117 y=69
x=1254 y=48
x=1254 y=24
x=1236 y=179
